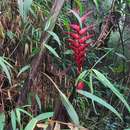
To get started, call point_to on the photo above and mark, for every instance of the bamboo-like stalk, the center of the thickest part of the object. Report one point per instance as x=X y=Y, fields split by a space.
x=56 y=8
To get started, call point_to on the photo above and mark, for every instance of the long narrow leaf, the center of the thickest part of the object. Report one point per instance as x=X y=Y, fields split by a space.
x=5 y=61
x=26 y=7
x=13 y=120
x=2 y=120
x=23 y=69
x=96 y=2
x=5 y=69
x=92 y=90
x=108 y=84
x=70 y=109
x=77 y=17
x=18 y=115
x=23 y=111
x=81 y=76
x=51 y=50
x=100 y=101
x=20 y=6
x=38 y=101
x=54 y=35
x=31 y=125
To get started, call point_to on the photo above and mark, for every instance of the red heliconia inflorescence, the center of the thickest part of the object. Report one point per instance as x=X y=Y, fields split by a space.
x=77 y=40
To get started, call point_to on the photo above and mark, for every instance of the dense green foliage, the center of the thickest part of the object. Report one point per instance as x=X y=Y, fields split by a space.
x=38 y=66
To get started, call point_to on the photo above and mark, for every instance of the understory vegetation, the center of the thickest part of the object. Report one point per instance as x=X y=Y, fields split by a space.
x=64 y=64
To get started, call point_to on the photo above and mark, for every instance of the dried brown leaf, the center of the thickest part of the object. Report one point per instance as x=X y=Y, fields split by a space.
x=42 y=125
x=57 y=126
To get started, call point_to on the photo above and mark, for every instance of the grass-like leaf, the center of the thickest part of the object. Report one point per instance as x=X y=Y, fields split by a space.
x=38 y=101
x=77 y=17
x=20 y=6
x=2 y=120
x=27 y=6
x=81 y=76
x=51 y=50
x=23 y=111
x=96 y=2
x=31 y=125
x=54 y=35
x=24 y=7
x=18 y=115
x=100 y=101
x=6 y=68
x=108 y=84
x=70 y=109
x=23 y=69
x=13 y=120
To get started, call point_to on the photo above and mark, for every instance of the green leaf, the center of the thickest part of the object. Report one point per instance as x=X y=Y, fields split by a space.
x=10 y=34
x=25 y=112
x=2 y=120
x=81 y=76
x=77 y=17
x=38 y=102
x=5 y=68
x=13 y=120
x=100 y=101
x=55 y=37
x=71 y=111
x=27 y=6
x=121 y=56
x=31 y=125
x=48 y=23
x=51 y=50
x=24 y=7
x=20 y=6
x=18 y=115
x=100 y=59
x=80 y=5
x=108 y=84
x=91 y=89
x=4 y=60
x=96 y=2
x=68 y=52
x=128 y=1
x=23 y=69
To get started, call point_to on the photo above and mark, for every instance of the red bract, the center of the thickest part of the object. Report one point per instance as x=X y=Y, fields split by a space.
x=75 y=27
x=77 y=40
x=85 y=16
x=80 y=85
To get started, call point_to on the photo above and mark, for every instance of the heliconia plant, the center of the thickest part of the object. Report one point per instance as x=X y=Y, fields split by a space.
x=78 y=38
